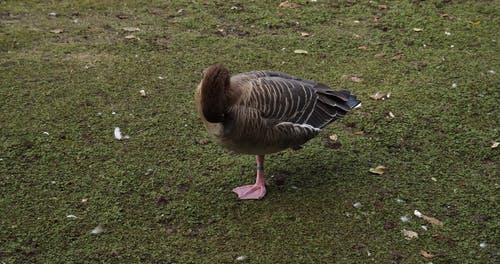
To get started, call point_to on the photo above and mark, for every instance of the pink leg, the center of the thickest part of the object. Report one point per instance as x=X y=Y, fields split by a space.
x=257 y=190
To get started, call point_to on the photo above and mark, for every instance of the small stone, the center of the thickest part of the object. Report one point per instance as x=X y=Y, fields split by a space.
x=453 y=85
x=483 y=245
x=357 y=205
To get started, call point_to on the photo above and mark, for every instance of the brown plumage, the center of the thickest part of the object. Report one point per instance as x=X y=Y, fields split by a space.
x=262 y=112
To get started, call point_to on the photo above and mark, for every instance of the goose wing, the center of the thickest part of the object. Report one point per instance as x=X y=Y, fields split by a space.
x=291 y=101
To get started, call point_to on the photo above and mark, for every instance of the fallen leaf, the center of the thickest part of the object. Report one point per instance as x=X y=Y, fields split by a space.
x=131 y=29
x=84 y=201
x=359 y=133
x=397 y=57
x=477 y=22
x=378 y=96
x=356 y=79
x=71 y=216
x=334 y=137
x=444 y=15
x=363 y=47
x=289 y=5
x=495 y=145
x=122 y=16
x=381 y=7
x=418 y=29
x=409 y=235
x=299 y=51
x=57 y=31
x=304 y=34
x=131 y=37
x=380 y=169
x=391 y=115
x=376 y=19
x=380 y=55
x=426 y=254
x=356 y=36
x=432 y=220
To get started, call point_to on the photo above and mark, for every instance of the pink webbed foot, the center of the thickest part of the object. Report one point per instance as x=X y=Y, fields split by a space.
x=250 y=192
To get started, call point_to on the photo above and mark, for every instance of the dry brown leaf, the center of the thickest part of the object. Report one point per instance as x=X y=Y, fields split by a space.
x=495 y=145
x=334 y=137
x=304 y=34
x=409 y=235
x=426 y=254
x=380 y=169
x=432 y=220
x=364 y=47
x=131 y=29
x=381 y=7
x=376 y=19
x=356 y=79
x=299 y=51
x=378 y=96
x=380 y=55
x=57 y=31
x=444 y=15
x=397 y=57
x=289 y=5
x=359 y=133
x=131 y=37
x=356 y=36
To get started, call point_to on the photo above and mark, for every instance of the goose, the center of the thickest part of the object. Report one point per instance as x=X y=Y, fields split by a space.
x=263 y=112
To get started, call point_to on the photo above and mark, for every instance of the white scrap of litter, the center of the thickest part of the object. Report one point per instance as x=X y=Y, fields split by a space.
x=424 y=45
x=404 y=219
x=53 y=182
x=97 y=230
x=99 y=113
x=452 y=46
x=46 y=133
x=424 y=227
x=391 y=115
x=71 y=216
x=434 y=179
x=161 y=77
x=356 y=21
x=1 y=159
x=113 y=113
x=294 y=187
x=483 y=245
x=492 y=71
x=417 y=213
x=142 y=92
x=447 y=33
x=52 y=14
x=241 y=258
x=399 y=200
x=357 y=205
x=118 y=133
x=453 y=85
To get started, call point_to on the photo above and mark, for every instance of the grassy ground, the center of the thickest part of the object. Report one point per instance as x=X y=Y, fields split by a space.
x=164 y=195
